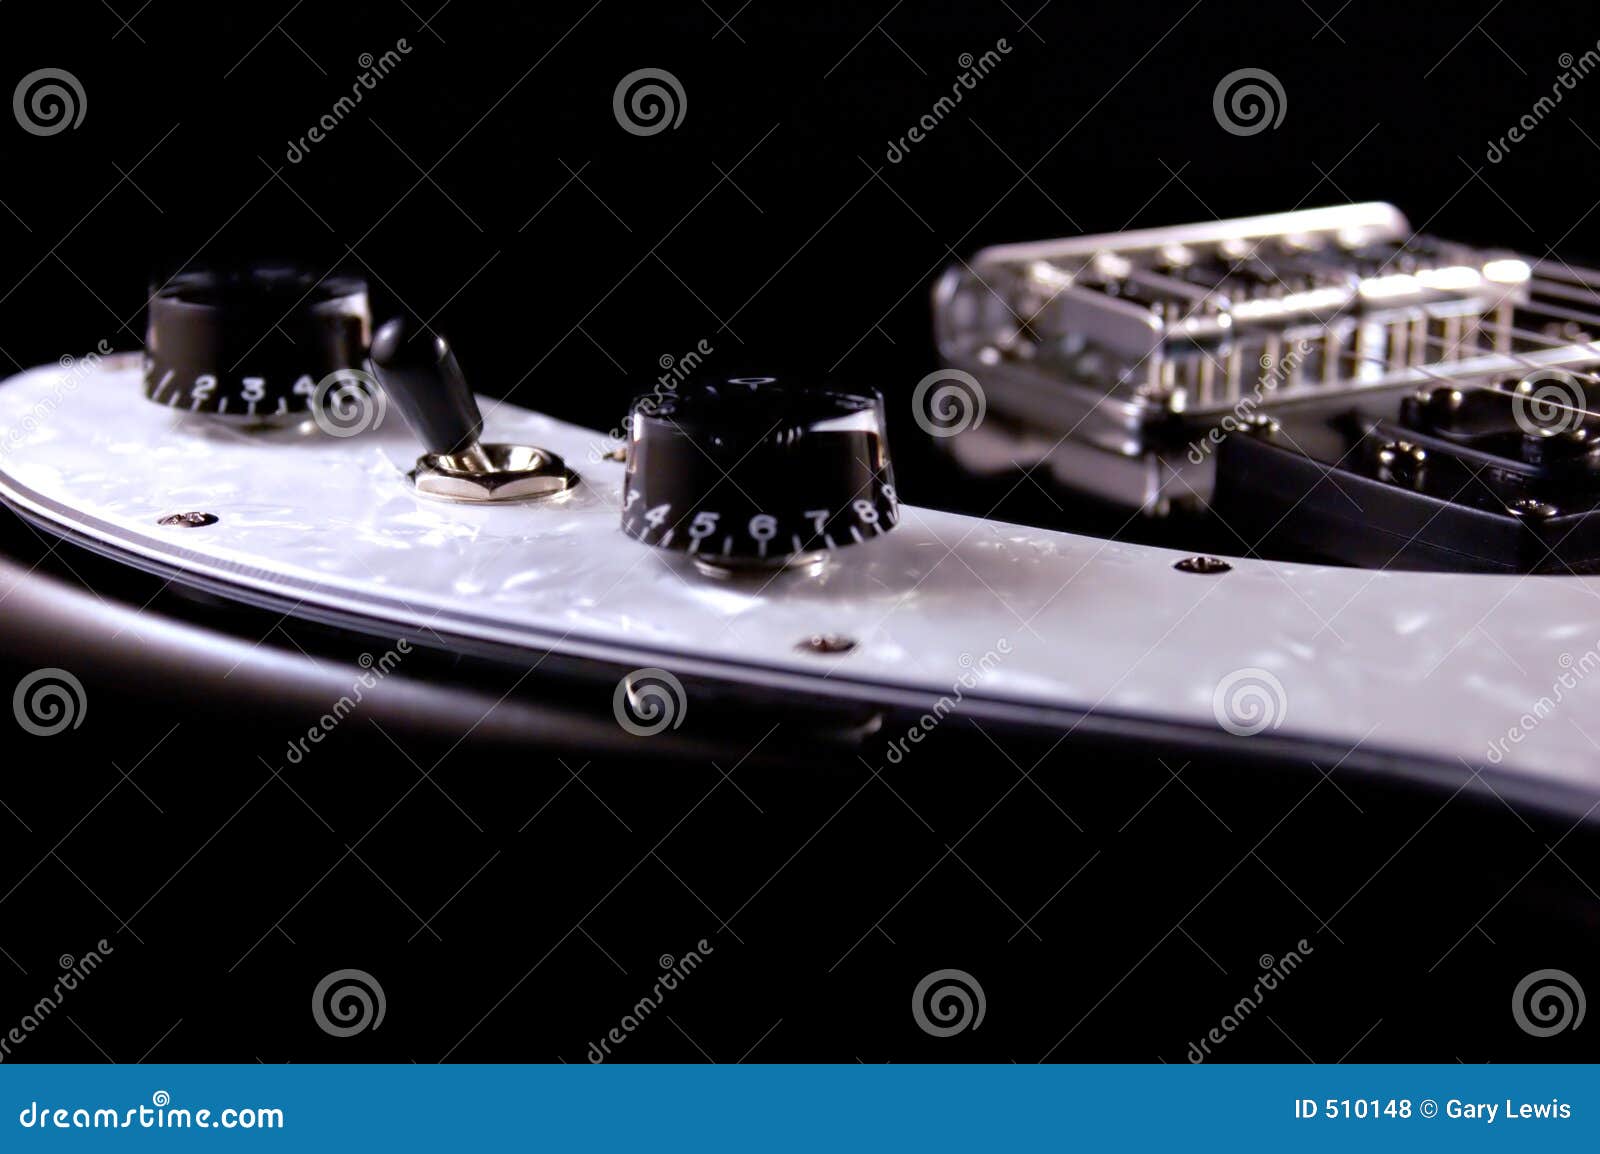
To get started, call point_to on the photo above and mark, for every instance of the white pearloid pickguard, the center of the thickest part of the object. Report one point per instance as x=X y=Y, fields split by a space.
x=1433 y=664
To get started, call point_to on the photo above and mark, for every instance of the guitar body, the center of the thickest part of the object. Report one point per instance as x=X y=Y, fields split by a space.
x=1148 y=786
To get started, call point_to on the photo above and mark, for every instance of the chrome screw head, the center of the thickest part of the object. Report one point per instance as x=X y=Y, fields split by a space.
x=188 y=520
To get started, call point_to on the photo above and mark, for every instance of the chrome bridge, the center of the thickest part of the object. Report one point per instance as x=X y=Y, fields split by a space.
x=1127 y=362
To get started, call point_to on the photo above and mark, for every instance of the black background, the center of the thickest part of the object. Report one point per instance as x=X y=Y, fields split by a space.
x=813 y=252
x=770 y=224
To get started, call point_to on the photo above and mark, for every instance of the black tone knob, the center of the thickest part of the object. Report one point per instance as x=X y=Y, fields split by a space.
x=252 y=345
x=754 y=471
x=420 y=374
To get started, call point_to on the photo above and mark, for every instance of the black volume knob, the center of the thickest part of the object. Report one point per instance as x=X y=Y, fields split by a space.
x=752 y=471
x=253 y=344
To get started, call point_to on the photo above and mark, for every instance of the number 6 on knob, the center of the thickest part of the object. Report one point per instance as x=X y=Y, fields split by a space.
x=751 y=473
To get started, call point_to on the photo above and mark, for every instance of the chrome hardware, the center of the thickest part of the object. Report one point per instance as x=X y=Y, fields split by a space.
x=508 y=473
x=827 y=644
x=189 y=520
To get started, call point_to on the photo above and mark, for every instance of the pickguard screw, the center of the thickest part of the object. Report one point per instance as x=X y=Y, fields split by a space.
x=189 y=520
x=1203 y=565
x=827 y=643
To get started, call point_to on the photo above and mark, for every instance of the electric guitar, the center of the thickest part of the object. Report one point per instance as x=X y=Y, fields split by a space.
x=1350 y=474
x=1410 y=412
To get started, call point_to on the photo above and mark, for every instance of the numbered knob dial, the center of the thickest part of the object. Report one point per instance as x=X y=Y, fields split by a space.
x=754 y=471
x=254 y=345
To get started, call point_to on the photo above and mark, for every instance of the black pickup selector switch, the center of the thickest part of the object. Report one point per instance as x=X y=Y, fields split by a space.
x=418 y=371
x=252 y=344
x=753 y=472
